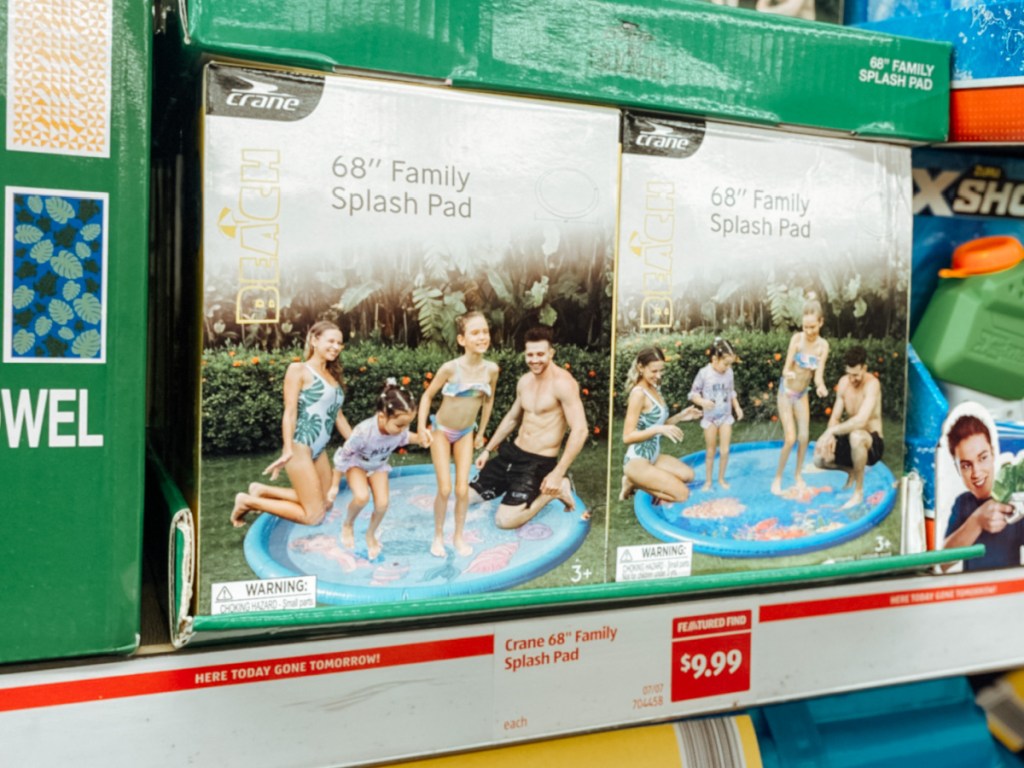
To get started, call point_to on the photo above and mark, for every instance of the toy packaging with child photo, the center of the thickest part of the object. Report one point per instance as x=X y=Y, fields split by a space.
x=979 y=493
x=405 y=334
x=760 y=349
x=966 y=324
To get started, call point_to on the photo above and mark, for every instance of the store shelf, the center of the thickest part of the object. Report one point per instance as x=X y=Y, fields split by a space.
x=385 y=696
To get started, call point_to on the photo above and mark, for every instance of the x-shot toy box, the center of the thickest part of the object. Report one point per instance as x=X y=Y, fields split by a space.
x=430 y=232
x=966 y=322
x=761 y=306
x=691 y=57
x=73 y=172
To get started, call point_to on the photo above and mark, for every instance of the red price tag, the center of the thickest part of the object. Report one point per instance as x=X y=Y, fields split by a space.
x=707 y=658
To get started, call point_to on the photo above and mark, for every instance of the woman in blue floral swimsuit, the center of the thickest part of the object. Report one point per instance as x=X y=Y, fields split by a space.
x=647 y=421
x=312 y=410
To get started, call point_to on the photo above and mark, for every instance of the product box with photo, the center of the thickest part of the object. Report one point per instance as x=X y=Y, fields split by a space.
x=760 y=349
x=402 y=285
x=966 y=323
x=979 y=489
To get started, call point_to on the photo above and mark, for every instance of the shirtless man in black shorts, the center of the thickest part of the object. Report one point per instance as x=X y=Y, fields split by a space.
x=856 y=442
x=528 y=472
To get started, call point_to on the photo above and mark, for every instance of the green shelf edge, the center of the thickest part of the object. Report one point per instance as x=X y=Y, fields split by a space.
x=621 y=595
x=390 y=616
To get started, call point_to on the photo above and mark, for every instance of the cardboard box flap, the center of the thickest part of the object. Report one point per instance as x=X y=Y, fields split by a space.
x=680 y=56
x=177 y=520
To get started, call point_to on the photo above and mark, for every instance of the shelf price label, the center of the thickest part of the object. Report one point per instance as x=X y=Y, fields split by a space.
x=700 y=665
x=710 y=655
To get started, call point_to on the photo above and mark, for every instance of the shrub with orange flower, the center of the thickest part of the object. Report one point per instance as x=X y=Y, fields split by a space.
x=405 y=381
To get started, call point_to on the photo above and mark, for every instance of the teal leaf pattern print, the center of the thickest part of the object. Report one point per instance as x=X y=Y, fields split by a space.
x=23 y=341
x=332 y=413
x=23 y=296
x=66 y=265
x=86 y=344
x=56 y=304
x=60 y=210
x=309 y=424
x=42 y=251
x=88 y=308
x=60 y=312
x=71 y=291
x=27 y=234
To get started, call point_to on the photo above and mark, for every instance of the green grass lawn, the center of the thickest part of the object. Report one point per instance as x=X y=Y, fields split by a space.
x=220 y=544
x=624 y=529
x=221 y=557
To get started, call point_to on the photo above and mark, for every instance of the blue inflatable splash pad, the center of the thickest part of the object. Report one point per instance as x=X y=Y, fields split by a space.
x=405 y=569
x=747 y=520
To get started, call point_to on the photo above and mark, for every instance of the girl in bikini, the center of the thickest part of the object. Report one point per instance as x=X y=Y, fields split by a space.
x=714 y=391
x=363 y=461
x=467 y=386
x=312 y=410
x=805 y=363
x=647 y=421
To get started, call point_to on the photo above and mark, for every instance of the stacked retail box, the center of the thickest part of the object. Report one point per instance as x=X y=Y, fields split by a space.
x=391 y=208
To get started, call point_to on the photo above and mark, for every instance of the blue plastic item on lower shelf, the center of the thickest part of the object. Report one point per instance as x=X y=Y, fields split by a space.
x=926 y=410
x=935 y=723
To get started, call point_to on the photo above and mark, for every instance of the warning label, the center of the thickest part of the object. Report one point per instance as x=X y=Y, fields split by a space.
x=260 y=595
x=655 y=561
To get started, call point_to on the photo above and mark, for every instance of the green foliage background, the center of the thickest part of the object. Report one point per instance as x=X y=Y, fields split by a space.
x=760 y=367
x=242 y=387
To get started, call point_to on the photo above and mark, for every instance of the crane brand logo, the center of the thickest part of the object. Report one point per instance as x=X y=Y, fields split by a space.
x=255 y=94
x=261 y=96
x=646 y=135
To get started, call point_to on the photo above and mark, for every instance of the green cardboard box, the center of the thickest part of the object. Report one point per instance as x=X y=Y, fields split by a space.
x=675 y=55
x=74 y=173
